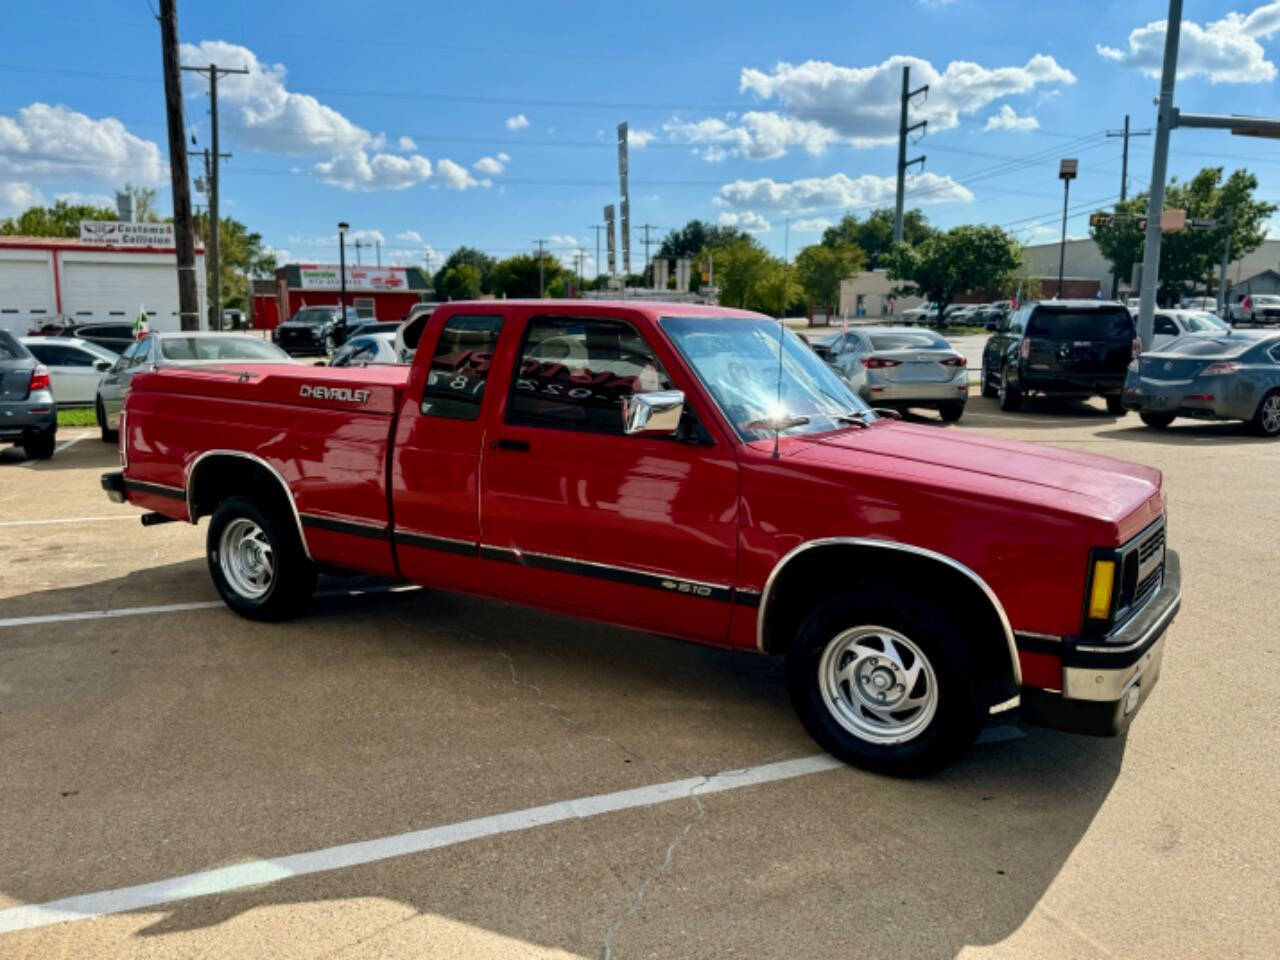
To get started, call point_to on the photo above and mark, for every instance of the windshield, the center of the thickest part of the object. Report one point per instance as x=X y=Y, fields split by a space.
x=907 y=341
x=312 y=315
x=1202 y=323
x=737 y=361
x=1082 y=325
x=221 y=348
x=1266 y=301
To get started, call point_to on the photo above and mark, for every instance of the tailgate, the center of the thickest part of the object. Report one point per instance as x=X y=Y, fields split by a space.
x=1081 y=342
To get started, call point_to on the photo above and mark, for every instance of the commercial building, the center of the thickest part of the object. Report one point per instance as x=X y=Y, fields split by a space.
x=97 y=276
x=378 y=293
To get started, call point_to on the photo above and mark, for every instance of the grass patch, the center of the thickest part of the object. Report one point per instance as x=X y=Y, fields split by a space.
x=77 y=417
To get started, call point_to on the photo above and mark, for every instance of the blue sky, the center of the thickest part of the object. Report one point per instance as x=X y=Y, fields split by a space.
x=492 y=124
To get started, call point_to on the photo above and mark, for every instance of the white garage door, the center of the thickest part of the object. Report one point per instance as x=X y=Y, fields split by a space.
x=114 y=290
x=26 y=291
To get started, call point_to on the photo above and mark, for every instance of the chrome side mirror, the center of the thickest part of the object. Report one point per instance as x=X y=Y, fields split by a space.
x=652 y=413
x=102 y=366
x=887 y=412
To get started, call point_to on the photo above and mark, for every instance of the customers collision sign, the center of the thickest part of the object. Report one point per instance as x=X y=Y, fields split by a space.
x=119 y=234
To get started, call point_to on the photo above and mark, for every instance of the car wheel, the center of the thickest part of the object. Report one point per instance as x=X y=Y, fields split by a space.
x=1157 y=420
x=886 y=682
x=40 y=446
x=1267 y=419
x=329 y=344
x=257 y=562
x=951 y=412
x=108 y=435
x=987 y=389
x=1010 y=396
x=1115 y=405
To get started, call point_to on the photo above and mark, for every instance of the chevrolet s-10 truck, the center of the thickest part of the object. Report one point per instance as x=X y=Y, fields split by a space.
x=696 y=472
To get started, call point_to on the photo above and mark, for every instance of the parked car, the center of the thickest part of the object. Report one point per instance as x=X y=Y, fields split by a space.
x=28 y=412
x=364 y=350
x=113 y=335
x=960 y=314
x=185 y=348
x=695 y=472
x=1254 y=308
x=58 y=325
x=1171 y=324
x=409 y=332
x=374 y=326
x=901 y=367
x=1203 y=304
x=923 y=314
x=1230 y=376
x=1063 y=348
x=821 y=345
x=316 y=331
x=75 y=366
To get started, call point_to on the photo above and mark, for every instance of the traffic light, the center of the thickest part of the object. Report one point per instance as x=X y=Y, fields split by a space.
x=1100 y=219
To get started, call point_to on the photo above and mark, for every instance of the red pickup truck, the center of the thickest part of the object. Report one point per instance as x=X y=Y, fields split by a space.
x=691 y=471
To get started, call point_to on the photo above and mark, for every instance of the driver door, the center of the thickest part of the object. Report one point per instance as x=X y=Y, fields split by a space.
x=639 y=530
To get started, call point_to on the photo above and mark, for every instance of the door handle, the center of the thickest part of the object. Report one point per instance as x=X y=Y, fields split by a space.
x=518 y=446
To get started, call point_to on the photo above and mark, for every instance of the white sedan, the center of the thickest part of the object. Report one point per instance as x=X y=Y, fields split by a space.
x=75 y=367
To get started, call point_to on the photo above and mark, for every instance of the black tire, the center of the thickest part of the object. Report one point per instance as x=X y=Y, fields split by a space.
x=959 y=710
x=108 y=435
x=1010 y=396
x=329 y=345
x=1157 y=420
x=987 y=389
x=40 y=446
x=1266 y=419
x=1115 y=405
x=292 y=581
x=951 y=412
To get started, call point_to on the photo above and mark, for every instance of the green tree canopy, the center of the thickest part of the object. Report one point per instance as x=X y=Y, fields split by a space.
x=518 y=276
x=750 y=278
x=470 y=256
x=1190 y=257
x=243 y=255
x=695 y=237
x=963 y=259
x=144 y=203
x=820 y=268
x=460 y=282
x=60 y=220
x=874 y=235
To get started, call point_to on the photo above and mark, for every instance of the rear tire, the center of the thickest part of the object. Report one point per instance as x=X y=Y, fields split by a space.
x=1157 y=420
x=858 y=656
x=40 y=446
x=1266 y=421
x=108 y=435
x=1115 y=405
x=1010 y=396
x=257 y=561
x=987 y=389
x=951 y=412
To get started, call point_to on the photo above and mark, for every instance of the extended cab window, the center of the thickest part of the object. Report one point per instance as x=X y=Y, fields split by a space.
x=575 y=372
x=460 y=367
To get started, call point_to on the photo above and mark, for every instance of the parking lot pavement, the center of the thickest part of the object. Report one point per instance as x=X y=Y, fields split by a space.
x=534 y=781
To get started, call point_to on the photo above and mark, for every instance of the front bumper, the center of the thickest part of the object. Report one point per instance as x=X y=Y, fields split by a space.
x=38 y=413
x=113 y=483
x=1069 y=383
x=1105 y=683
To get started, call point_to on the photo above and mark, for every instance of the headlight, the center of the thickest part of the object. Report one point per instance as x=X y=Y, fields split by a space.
x=1102 y=589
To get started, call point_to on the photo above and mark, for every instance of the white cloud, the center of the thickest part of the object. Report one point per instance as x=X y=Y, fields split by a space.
x=1008 y=119
x=16 y=197
x=837 y=191
x=517 y=122
x=54 y=141
x=492 y=165
x=1224 y=51
x=409 y=236
x=562 y=240
x=639 y=139
x=811 y=225
x=406 y=143
x=455 y=176
x=747 y=220
x=283 y=255
x=712 y=154
x=861 y=104
x=89 y=199
x=758 y=135
x=356 y=170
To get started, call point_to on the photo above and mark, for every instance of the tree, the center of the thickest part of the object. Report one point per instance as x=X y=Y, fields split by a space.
x=875 y=234
x=242 y=255
x=820 y=269
x=750 y=278
x=472 y=257
x=958 y=261
x=60 y=220
x=696 y=237
x=1190 y=257
x=518 y=276
x=460 y=282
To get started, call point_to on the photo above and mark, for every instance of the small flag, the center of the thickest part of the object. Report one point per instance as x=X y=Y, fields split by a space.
x=844 y=324
x=141 y=327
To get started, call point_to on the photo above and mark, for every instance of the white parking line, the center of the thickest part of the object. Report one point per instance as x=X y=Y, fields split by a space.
x=256 y=872
x=56 y=450
x=38 y=523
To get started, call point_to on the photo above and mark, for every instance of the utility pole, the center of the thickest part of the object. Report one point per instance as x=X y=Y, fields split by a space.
x=903 y=163
x=359 y=245
x=215 y=294
x=786 y=245
x=378 y=245
x=541 y=281
x=647 y=227
x=1226 y=262
x=183 y=242
x=597 y=227
x=1124 y=177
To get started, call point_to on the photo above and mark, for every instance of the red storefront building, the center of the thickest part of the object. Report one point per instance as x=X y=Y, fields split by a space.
x=381 y=293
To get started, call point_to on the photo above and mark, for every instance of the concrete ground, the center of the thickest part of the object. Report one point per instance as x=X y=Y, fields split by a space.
x=146 y=746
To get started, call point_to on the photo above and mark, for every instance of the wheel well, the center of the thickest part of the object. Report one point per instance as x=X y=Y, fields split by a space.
x=821 y=572
x=217 y=477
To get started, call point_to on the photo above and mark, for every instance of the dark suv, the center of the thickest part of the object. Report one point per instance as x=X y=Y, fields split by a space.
x=316 y=330
x=1061 y=348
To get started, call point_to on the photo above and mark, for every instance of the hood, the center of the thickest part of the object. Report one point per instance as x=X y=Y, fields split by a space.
x=1122 y=495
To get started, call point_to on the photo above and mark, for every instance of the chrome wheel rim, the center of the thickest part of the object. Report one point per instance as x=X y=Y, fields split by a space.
x=246 y=558
x=1271 y=414
x=878 y=685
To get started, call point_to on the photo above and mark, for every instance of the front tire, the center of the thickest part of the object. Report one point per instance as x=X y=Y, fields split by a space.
x=886 y=682
x=1157 y=420
x=951 y=412
x=108 y=435
x=257 y=562
x=1115 y=405
x=1010 y=396
x=40 y=446
x=1266 y=421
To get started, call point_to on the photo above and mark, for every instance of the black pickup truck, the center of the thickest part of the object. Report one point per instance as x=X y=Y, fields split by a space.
x=1061 y=348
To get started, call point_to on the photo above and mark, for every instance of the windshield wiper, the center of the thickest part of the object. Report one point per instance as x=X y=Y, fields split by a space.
x=858 y=417
x=777 y=424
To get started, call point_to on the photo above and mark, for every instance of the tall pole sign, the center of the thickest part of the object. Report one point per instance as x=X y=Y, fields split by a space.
x=625 y=224
x=608 y=239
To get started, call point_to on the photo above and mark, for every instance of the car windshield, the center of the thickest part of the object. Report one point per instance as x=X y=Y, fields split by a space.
x=221 y=348
x=1082 y=325
x=737 y=361
x=922 y=340
x=1265 y=301
x=312 y=315
x=1202 y=323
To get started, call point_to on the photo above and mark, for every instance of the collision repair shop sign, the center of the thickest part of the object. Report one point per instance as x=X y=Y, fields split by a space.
x=127 y=234
x=316 y=277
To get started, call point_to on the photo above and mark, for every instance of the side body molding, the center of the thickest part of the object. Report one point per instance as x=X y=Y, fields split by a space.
x=193 y=469
x=875 y=543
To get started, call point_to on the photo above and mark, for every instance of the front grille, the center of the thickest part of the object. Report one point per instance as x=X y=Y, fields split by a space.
x=1150 y=546
x=1141 y=572
x=1147 y=586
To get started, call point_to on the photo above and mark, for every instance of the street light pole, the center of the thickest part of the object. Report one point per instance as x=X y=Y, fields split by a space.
x=1066 y=173
x=342 y=269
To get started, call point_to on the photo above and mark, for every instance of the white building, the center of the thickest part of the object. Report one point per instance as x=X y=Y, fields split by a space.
x=42 y=277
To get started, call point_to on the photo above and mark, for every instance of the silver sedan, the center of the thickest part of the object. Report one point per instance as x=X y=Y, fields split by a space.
x=903 y=367
x=1232 y=376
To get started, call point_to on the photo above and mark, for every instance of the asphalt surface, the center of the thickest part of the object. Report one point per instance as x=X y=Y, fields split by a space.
x=146 y=746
